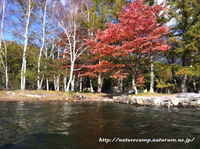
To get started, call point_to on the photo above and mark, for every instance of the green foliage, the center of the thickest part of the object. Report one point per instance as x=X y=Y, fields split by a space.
x=186 y=13
x=102 y=11
x=71 y=94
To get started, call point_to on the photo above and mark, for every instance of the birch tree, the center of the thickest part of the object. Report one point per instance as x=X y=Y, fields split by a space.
x=24 y=13
x=3 y=51
x=43 y=12
x=69 y=19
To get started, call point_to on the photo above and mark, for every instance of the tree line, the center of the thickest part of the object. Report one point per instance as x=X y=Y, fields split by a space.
x=97 y=44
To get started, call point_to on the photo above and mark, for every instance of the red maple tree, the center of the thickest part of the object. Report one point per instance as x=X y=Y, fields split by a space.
x=137 y=33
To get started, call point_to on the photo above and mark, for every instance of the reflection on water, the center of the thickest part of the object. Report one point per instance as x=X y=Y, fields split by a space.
x=80 y=125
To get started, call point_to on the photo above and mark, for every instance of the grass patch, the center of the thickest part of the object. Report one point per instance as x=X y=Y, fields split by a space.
x=152 y=94
x=71 y=94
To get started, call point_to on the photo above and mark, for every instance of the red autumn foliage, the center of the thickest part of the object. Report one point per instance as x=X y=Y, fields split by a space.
x=137 y=32
x=89 y=74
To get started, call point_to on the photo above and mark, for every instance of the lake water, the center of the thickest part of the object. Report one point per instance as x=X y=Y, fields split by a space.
x=85 y=125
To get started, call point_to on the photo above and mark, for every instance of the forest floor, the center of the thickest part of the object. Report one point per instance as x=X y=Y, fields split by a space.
x=42 y=95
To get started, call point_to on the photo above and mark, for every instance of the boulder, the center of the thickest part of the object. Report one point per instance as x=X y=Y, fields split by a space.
x=175 y=101
x=155 y=101
x=133 y=100
x=198 y=102
x=165 y=103
x=110 y=100
x=129 y=99
x=122 y=99
x=115 y=97
x=188 y=95
x=185 y=104
x=193 y=103
x=105 y=99
x=140 y=100
x=79 y=96
x=147 y=102
x=184 y=101
x=34 y=96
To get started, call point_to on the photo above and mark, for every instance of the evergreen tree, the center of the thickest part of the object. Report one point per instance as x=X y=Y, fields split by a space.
x=102 y=11
x=185 y=14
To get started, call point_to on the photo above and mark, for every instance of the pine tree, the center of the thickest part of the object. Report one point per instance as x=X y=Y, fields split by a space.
x=185 y=14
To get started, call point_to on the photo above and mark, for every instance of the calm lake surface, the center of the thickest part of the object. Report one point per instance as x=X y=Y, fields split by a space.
x=81 y=125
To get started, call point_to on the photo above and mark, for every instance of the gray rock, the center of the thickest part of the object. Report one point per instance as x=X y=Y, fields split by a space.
x=34 y=96
x=122 y=99
x=115 y=97
x=80 y=96
x=175 y=101
x=147 y=102
x=129 y=99
x=140 y=100
x=184 y=101
x=155 y=101
x=193 y=103
x=165 y=103
x=185 y=104
x=133 y=100
x=198 y=102
x=188 y=95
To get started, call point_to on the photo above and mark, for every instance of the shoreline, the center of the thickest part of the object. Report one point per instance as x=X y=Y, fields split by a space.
x=51 y=96
x=164 y=100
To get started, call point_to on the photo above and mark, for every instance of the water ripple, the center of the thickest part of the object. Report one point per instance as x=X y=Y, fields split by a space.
x=79 y=125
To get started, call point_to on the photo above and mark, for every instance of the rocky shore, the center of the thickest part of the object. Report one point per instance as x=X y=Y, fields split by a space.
x=181 y=100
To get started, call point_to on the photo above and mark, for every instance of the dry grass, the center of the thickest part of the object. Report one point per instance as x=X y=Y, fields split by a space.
x=154 y=94
x=46 y=95
x=19 y=95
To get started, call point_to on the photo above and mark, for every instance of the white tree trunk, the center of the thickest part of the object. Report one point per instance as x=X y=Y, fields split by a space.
x=6 y=78
x=65 y=81
x=72 y=83
x=1 y=39
x=57 y=82
x=23 y=69
x=39 y=84
x=6 y=70
x=2 y=21
x=70 y=29
x=134 y=85
x=81 y=82
x=54 y=82
x=151 y=75
x=47 y=81
x=91 y=87
x=71 y=75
